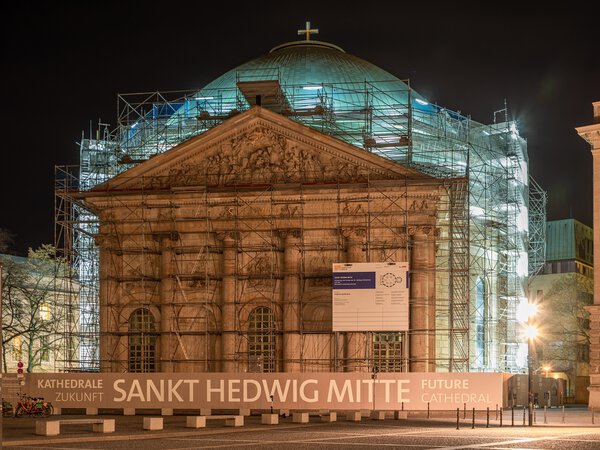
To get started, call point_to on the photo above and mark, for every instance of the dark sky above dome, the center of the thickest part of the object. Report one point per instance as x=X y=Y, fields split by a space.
x=66 y=63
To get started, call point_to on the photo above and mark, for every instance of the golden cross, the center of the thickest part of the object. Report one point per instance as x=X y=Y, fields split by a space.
x=308 y=31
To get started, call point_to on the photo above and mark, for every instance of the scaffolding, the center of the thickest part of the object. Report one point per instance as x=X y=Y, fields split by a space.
x=482 y=247
x=538 y=199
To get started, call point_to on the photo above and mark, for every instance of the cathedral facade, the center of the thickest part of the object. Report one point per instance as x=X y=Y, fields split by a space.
x=204 y=228
x=217 y=254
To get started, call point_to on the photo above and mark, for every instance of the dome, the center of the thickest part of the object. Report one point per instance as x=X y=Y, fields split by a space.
x=341 y=81
x=319 y=85
x=307 y=63
x=322 y=86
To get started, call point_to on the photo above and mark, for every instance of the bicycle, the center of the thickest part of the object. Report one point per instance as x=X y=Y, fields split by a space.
x=33 y=406
x=7 y=409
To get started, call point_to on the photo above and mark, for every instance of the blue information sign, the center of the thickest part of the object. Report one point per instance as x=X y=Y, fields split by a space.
x=353 y=280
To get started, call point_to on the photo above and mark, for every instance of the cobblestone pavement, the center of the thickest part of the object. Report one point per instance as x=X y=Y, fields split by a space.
x=577 y=432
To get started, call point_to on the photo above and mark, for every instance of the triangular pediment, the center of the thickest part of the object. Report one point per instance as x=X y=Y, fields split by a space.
x=255 y=147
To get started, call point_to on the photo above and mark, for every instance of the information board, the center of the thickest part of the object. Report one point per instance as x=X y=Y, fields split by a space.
x=370 y=296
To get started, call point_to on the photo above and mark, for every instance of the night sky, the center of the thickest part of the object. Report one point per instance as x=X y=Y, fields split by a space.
x=64 y=66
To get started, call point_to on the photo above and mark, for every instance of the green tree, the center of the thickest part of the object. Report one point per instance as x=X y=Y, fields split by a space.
x=32 y=311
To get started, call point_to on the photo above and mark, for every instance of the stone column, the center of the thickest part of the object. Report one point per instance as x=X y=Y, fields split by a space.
x=228 y=301
x=166 y=289
x=591 y=134
x=106 y=300
x=422 y=300
x=355 y=351
x=291 y=299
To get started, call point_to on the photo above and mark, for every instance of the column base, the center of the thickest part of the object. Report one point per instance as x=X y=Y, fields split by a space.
x=594 y=390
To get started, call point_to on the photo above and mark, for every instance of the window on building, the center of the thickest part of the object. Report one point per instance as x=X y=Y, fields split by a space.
x=583 y=323
x=583 y=352
x=71 y=353
x=480 y=350
x=387 y=352
x=261 y=340
x=45 y=311
x=17 y=348
x=568 y=267
x=44 y=348
x=538 y=352
x=142 y=341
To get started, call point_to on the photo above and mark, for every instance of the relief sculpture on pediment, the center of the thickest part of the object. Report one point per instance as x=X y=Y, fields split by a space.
x=262 y=155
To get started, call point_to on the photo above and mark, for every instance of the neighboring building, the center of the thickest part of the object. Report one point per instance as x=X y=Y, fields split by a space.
x=35 y=318
x=591 y=133
x=569 y=248
x=562 y=292
x=218 y=215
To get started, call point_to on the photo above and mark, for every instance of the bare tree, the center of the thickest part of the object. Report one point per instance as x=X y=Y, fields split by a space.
x=32 y=313
x=567 y=321
x=7 y=240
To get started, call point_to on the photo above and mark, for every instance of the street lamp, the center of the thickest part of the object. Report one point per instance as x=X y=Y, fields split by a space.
x=530 y=333
x=547 y=369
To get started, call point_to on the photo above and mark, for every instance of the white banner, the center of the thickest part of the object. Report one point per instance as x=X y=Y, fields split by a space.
x=318 y=390
x=370 y=296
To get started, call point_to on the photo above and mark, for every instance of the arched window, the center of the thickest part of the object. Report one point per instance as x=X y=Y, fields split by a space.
x=261 y=340
x=142 y=341
x=480 y=355
x=387 y=352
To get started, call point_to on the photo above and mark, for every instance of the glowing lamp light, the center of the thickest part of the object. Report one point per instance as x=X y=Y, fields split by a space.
x=531 y=332
x=525 y=310
x=547 y=369
x=421 y=102
x=204 y=98
x=312 y=88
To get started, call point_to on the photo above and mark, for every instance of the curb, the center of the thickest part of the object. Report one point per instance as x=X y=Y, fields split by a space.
x=140 y=436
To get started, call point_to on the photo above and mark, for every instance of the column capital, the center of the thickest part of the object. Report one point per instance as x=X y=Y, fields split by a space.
x=106 y=241
x=593 y=309
x=168 y=235
x=427 y=230
x=354 y=233
x=227 y=235
x=591 y=134
x=289 y=233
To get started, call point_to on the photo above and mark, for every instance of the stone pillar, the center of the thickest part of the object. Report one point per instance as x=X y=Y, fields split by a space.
x=228 y=301
x=422 y=300
x=355 y=351
x=591 y=134
x=106 y=299
x=291 y=299
x=167 y=344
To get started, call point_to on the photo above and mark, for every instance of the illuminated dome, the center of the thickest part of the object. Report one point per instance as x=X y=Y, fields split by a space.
x=347 y=81
x=321 y=86
x=307 y=63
